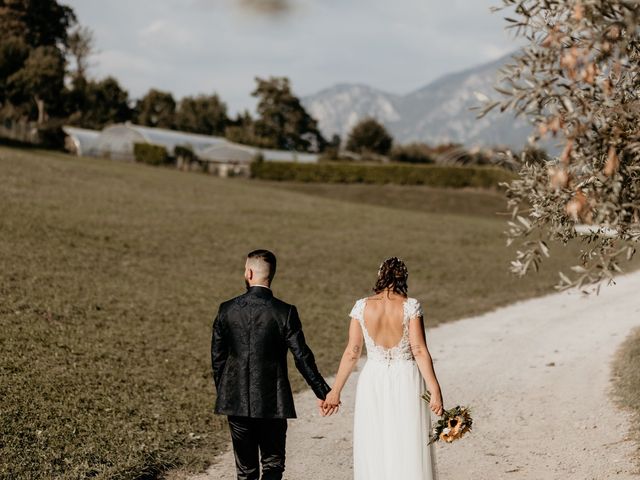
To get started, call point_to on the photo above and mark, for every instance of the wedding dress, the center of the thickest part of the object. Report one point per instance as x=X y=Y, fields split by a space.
x=391 y=421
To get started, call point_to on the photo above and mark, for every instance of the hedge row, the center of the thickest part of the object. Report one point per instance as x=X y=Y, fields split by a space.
x=151 y=154
x=431 y=175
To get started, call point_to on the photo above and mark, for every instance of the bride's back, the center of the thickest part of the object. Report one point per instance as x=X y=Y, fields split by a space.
x=383 y=317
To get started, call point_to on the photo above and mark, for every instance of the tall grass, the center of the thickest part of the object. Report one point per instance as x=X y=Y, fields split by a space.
x=110 y=274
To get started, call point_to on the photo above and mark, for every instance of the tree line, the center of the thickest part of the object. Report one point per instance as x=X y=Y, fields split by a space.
x=44 y=80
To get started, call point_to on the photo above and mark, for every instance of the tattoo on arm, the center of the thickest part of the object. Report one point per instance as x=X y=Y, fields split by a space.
x=355 y=352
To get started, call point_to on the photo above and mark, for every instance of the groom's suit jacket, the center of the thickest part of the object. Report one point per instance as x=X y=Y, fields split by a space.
x=251 y=336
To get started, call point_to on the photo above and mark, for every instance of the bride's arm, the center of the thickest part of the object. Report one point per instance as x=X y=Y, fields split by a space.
x=425 y=363
x=349 y=360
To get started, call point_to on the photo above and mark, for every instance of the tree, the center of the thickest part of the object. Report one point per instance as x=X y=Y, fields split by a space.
x=577 y=80
x=156 y=109
x=282 y=118
x=32 y=61
x=95 y=104
x=14 y=51
x=38 y=22
x=42 y=77
x=369 y=135
x=81 y=47
x=205 y=114
x=242 y=130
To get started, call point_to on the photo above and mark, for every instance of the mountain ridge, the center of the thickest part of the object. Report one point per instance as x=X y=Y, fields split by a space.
x=438 y=112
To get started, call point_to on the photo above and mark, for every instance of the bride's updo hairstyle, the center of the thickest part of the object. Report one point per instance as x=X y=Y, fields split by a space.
x=392 y=274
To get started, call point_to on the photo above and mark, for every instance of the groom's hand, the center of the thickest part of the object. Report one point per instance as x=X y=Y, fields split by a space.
x=322 y=408
x=326 y=409
x=332 y=403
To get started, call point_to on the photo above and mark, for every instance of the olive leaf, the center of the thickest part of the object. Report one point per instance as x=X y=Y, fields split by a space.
x=578 y=82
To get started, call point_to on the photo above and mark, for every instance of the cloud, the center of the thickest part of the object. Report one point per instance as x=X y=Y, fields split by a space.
x=163 y=34
x=198 y=46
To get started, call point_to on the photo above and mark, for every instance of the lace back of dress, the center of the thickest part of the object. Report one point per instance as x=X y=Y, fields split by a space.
x=401 y=351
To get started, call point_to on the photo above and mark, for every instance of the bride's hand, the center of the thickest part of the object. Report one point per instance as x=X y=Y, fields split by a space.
x=436 y=404
x=332 y=402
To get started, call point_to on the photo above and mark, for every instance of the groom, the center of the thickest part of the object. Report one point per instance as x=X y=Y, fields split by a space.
x=251 y=336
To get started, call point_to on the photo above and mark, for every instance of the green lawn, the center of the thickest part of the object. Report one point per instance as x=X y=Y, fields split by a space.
x=111 y=273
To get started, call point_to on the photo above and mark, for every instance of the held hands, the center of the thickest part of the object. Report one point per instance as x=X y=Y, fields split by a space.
x=330 y=405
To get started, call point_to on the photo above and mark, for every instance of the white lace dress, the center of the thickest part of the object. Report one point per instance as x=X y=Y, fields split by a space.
x=391 y=421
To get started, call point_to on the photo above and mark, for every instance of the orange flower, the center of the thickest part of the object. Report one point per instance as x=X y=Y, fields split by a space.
x=456 y=427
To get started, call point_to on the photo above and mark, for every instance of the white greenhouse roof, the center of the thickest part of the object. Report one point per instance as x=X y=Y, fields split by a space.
x=288 y=156
x=229 y=152
x=236 y=152
x=83 y=139
x=117 y=142
x=168 y=138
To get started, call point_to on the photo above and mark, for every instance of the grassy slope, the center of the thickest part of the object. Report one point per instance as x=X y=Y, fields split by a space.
x=626 y=370
x=110 y=275
x=467 y=201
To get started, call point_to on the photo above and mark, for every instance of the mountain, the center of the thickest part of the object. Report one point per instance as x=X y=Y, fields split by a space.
x=436 y=113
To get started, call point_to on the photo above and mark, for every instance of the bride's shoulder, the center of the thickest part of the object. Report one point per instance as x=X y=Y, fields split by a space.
x=358 y=308
x=414 y=307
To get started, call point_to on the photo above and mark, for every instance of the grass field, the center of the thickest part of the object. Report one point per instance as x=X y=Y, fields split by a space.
x=111 y=273
x=626 y=369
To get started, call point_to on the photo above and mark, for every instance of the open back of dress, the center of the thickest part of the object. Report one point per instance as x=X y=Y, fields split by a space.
x=384 y=322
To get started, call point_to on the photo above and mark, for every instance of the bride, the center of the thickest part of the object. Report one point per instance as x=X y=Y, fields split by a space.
x=391 y=422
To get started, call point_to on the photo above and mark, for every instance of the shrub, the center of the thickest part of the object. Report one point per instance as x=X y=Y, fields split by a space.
x=369 y=135
x=412 y=153
x=432 y=175
x=151 y=154
x=51 y=135
x=185 y=152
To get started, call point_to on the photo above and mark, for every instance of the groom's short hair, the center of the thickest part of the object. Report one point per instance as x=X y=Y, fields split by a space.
x=265 y=259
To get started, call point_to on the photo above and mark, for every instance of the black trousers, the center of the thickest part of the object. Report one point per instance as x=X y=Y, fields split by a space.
x=263 y=437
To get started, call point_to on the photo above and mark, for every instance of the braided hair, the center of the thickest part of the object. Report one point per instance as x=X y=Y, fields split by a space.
x=392 y=274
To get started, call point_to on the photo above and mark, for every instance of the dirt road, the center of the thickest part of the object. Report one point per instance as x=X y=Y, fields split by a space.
x=537 y=375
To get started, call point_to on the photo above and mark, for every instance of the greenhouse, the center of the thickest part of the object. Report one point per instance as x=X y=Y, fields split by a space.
x=229 y=153
x=117 y=141
x=80 y=141
x=235 y=153
x=288 y=156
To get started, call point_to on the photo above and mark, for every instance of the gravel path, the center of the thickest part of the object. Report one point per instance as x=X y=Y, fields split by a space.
x=537 y=376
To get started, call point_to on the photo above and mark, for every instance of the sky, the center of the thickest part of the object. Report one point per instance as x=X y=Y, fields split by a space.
x=191 y=47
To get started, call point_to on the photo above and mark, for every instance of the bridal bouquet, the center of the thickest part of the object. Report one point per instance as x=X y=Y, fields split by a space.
x=453 y=423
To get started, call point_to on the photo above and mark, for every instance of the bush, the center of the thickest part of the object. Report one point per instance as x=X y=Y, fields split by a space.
x=185 y=152
x=412 y=153
x=432 y=175
x=369 y=135
x=150 y=154
x=51 y=135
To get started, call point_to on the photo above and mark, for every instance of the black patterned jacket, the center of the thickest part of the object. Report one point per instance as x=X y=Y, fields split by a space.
x=251 y=336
